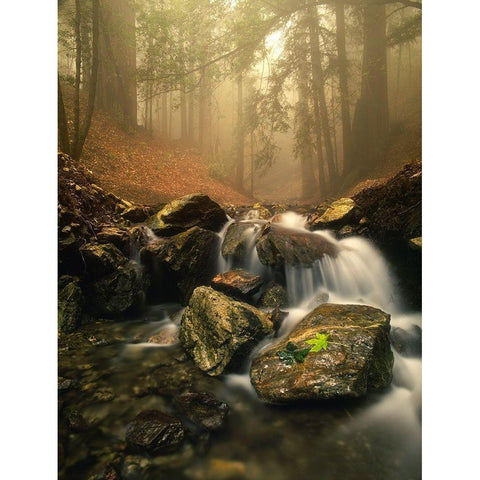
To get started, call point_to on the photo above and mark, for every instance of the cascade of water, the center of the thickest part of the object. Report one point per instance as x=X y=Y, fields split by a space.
x=358 y=274
x=223 y=264
x=142 y=236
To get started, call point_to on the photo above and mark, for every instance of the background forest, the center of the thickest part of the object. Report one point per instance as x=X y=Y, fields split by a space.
x=283 y=100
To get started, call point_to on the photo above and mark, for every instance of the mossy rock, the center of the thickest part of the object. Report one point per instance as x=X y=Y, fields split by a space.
x=358 y=357
x=70 y=307
x=218 y=332
x=187 y=212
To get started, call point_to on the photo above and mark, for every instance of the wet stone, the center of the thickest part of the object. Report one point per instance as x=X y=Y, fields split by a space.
x=407 y=342
x=154 y=432
x=77 y=422
x=202 y=409
x=238 y=284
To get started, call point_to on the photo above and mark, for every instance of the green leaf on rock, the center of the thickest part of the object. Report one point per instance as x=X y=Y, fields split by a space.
x=292 y=354
x=301 y=354
x=320 y=342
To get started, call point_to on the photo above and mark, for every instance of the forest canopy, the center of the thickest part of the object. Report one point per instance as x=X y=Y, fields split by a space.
x=260 y=87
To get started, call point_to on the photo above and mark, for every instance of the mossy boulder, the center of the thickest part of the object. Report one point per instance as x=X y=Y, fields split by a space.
x=179 y=264
x=70 y=307
x=101 y=260
x=187 y=212
x=338 y=213
x=117 y=292
x=358 y=357
x=218 y=332
x=278 y=246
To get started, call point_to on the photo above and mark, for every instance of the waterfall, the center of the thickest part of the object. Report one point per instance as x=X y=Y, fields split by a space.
x=358 y=274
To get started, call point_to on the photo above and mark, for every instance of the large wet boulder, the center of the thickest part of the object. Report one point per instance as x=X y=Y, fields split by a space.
x=239 y=241
x=238 y=284
x=338 y=213
x=357 y=359
x=101 y=260
x=394 y=207
x=218 y=332
x=187 y=212
x=179 y=264
x=278 y=246
x=117 y=292
x=154 y=432
x=70 y=307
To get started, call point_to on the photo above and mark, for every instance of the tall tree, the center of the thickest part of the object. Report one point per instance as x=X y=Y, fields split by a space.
x=371 y=122
x=117 y=52
x=343 y=83
x=80 y=128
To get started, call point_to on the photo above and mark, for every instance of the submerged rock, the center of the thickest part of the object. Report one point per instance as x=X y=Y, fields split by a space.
x=238 y=284
x=222 y=469
x=338 y=213
x=275 y=295
x=239 y=240
x=218 y=332
x=407 y=342
x=154 y=432
x=278 y=246
x=179 y=264
x=187 y=212
x=70 y=306
x=357 y=359
x=202 y=409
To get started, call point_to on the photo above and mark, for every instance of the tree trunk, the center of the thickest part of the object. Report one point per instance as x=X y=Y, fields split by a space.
x=191 y=113
x=78 y=68
x=117 y=79
x=319 y=92
x=183 y=114
x=344 y=97
x=164 y=114
x=371 y=116
x=205 y=118
x=240 y=148
x=80 y=141
x=303 y=131
x=63 y=137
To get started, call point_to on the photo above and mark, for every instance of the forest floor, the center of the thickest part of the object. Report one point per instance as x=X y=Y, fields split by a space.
x=147 y=170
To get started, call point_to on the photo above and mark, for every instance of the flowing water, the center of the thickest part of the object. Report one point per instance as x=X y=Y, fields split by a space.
x=378 y=437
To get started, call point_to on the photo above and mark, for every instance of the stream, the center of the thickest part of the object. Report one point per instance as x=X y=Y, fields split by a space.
x=109 y=369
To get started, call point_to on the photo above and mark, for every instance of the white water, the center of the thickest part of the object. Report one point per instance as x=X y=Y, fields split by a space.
x=360 y=275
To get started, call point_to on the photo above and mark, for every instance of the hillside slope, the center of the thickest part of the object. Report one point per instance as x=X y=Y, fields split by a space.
x=141 y=169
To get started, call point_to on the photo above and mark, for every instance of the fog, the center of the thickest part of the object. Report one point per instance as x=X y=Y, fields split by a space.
x=256 y=87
